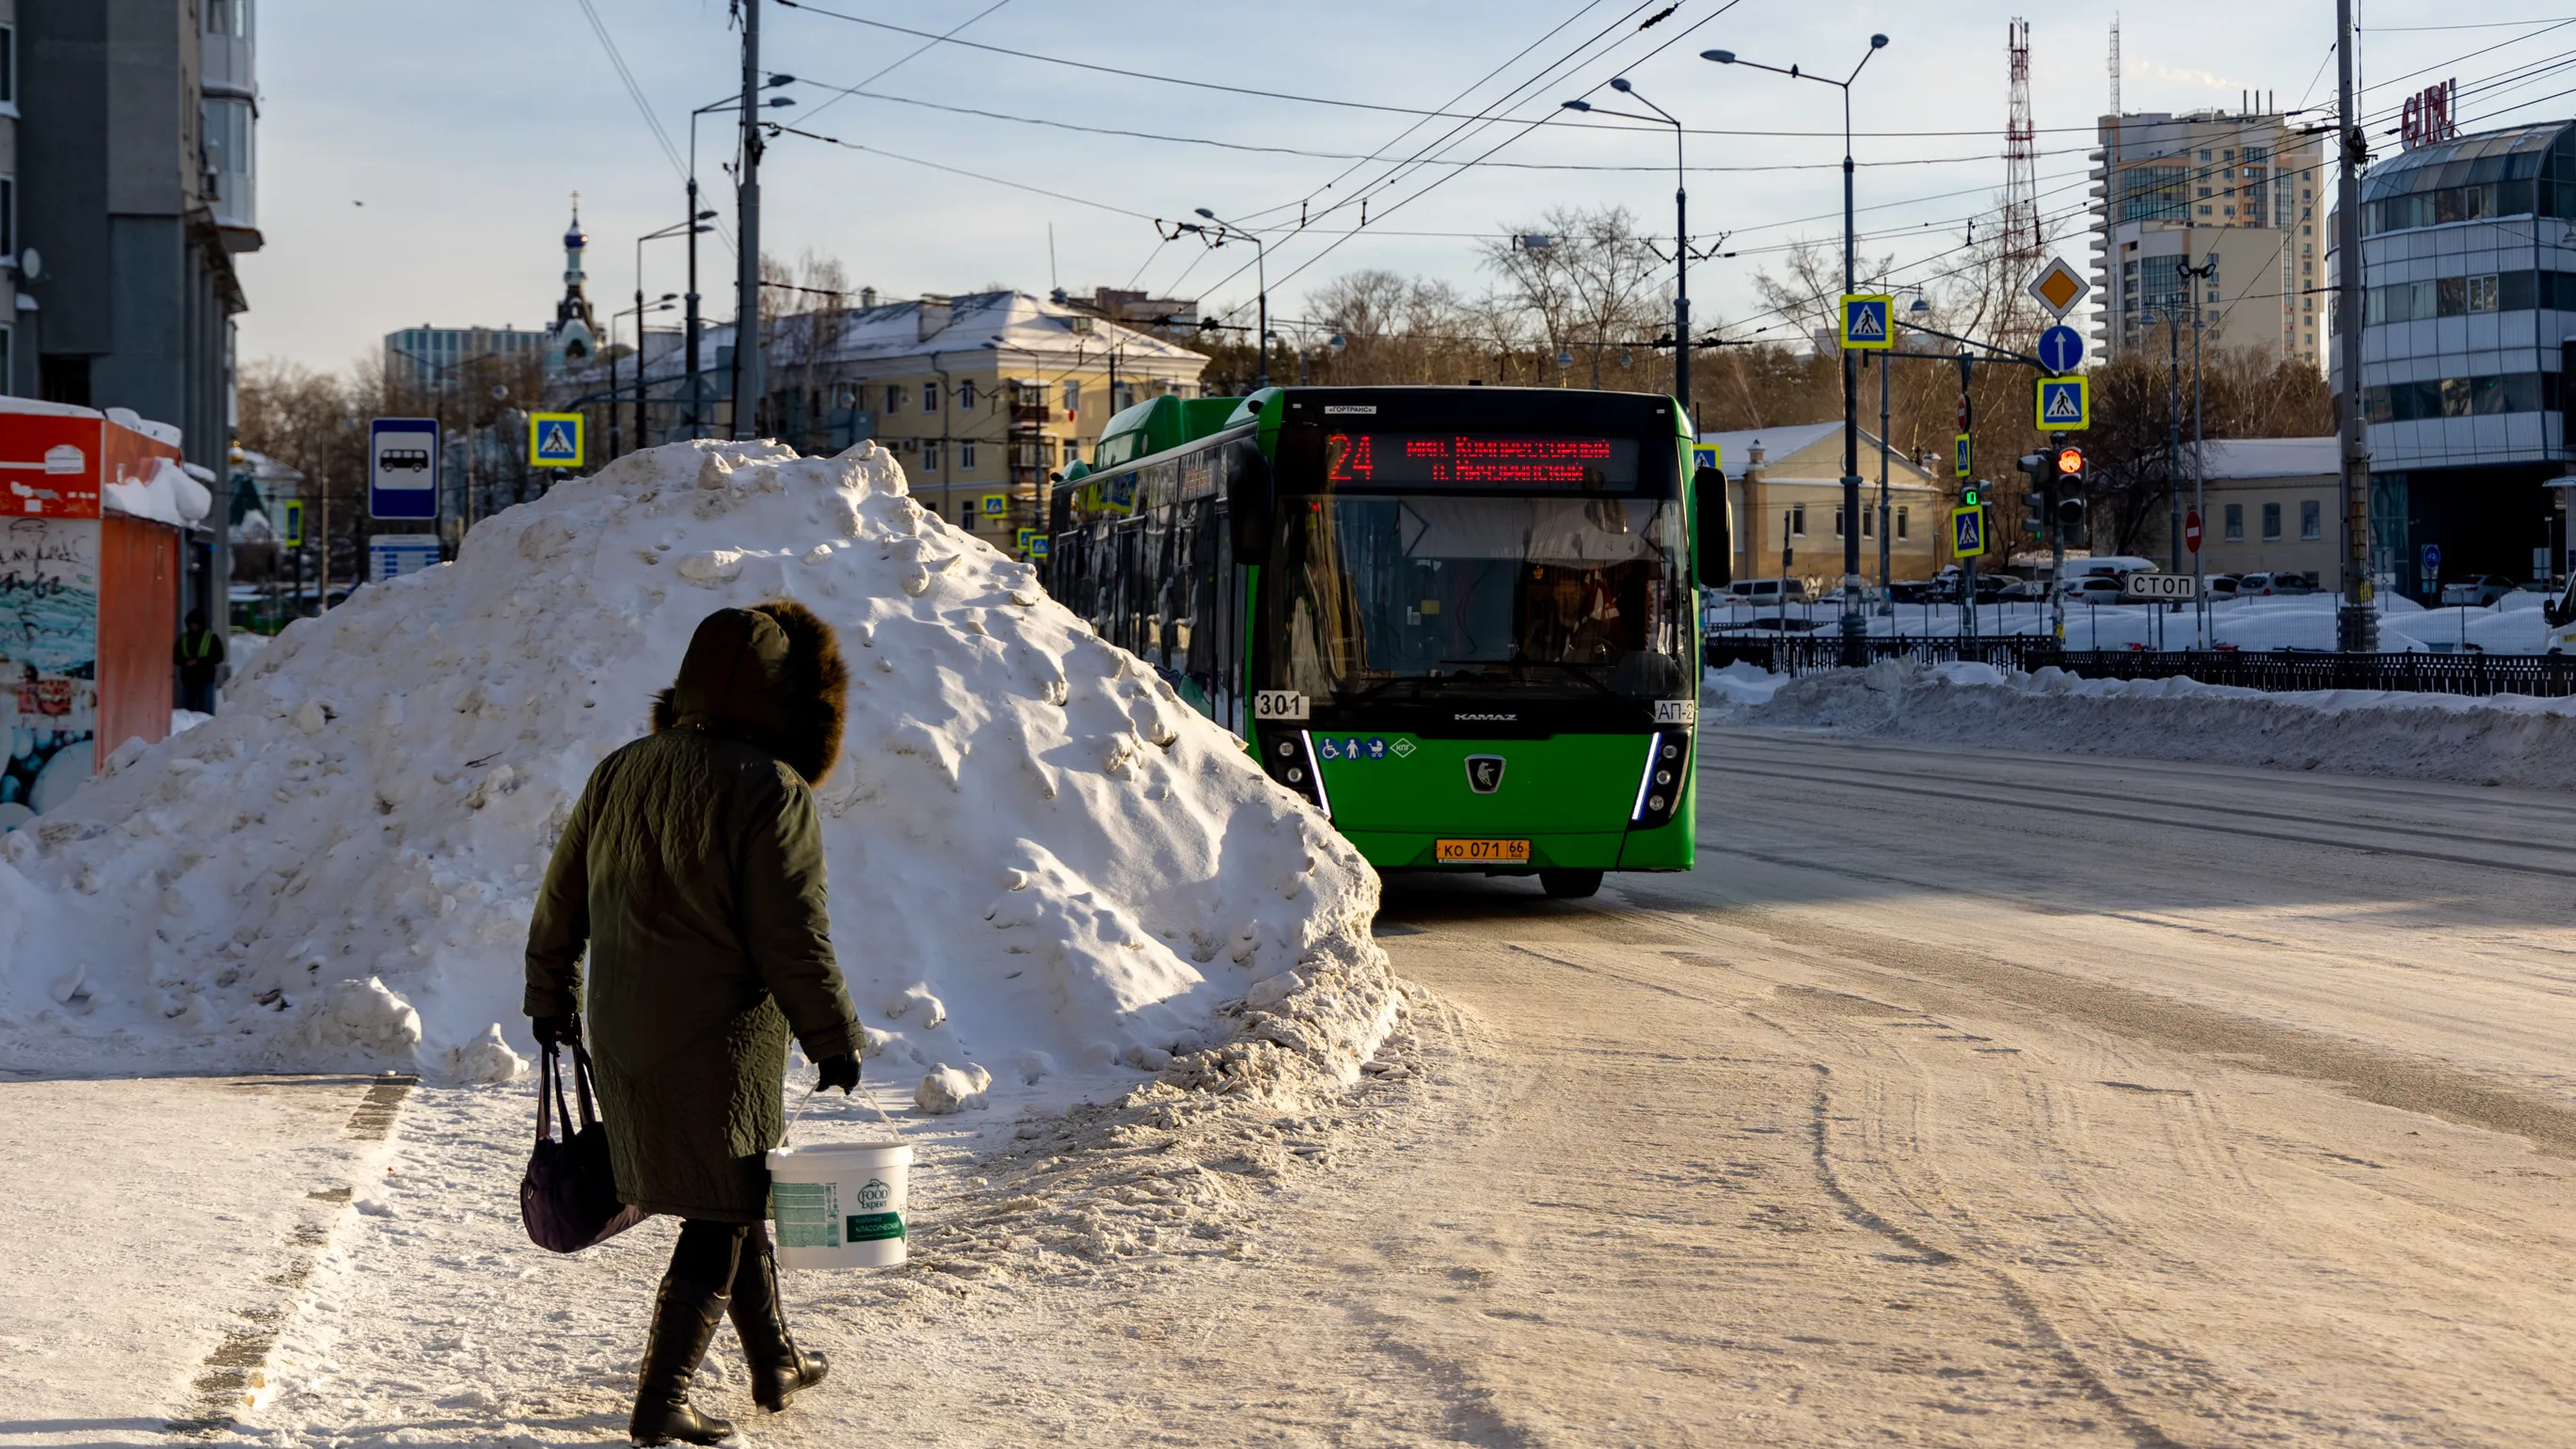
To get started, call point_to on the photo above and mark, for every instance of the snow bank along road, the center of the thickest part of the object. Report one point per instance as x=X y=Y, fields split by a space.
x=2145 y=1118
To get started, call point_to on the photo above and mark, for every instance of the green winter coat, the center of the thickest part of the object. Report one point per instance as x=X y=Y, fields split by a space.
x=693 y=868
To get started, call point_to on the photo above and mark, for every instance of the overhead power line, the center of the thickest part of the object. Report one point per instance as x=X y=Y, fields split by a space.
x=1325 y=100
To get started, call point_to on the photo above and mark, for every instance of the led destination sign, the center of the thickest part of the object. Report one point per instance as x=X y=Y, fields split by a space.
x=1552 y=462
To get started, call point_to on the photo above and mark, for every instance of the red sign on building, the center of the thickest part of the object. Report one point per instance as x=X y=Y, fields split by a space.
x=2429 y=115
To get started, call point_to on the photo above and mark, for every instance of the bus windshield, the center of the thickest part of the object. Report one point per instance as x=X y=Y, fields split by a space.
x=1383 y=593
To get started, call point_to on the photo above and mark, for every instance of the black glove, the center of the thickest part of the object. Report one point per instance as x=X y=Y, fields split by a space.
x=556 y=1030
x=841 y=1071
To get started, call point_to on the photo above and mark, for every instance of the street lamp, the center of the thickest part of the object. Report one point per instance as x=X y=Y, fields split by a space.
x=1681 y=236
x=691 y=227
x=1853 y=624
x=661 y=304
x=1226 y=231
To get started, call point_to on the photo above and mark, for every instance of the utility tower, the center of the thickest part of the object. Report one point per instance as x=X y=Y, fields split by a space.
x=2115 y=62
x=2022 y=241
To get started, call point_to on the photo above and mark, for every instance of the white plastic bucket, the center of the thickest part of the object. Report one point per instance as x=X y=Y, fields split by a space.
x=840 y=1206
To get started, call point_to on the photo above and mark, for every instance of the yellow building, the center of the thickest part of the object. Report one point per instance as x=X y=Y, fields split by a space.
x=981 y=397
x=1788 y=481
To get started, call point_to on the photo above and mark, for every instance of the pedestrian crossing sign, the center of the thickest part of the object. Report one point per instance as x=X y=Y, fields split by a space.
x=294 y=530
x=996 y=504
x=1865 y=326
x=1709 y=456
x=1967 y=532
x=1960 y=455
x=554 y=440
x=2065 y=404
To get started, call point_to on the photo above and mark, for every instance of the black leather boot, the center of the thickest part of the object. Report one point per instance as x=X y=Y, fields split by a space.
x=685 y=1316
x=778 y=1367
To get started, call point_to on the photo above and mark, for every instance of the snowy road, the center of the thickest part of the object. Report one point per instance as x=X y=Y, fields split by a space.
x=1958 y=1098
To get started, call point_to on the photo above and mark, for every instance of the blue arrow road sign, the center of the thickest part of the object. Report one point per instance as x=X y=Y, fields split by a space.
x=402 y=468
x=2432 y=558
x=2061 y=349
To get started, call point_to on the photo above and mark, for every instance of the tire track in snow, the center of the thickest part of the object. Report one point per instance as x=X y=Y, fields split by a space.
x=237 y=1371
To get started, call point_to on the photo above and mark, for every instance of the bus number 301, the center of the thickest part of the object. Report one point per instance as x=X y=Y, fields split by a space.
x=1278 y=704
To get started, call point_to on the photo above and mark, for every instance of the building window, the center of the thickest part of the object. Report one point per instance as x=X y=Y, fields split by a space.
x=1798 y=520
x=929 y=455
x=966 y=515
x=930 y=397
x=1073 y=397
x=1868 y=524
x=2312 y=519
x=1900 y=523
x=1838 y=523
x=8 y=216
x=228 y=17
x=894 y=398
x=2271 y=522
x=2235 y=523
x=966 y=395
x=965 y=457
x=8 y=65
x=8 y=355
x=2479 y=293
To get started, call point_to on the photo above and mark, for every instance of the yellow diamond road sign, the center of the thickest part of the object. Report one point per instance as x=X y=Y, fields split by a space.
x=2058 y=287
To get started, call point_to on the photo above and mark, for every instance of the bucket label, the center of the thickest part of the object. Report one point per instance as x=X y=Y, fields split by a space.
x=808 y=1213
x=873 y=1227
x=874 y=1196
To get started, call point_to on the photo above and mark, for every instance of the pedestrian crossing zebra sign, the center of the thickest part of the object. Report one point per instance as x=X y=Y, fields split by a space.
x=1865 y=326
x=2065 y=404
x=554 y=440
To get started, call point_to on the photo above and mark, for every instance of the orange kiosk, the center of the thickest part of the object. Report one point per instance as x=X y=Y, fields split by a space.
x=92 y=512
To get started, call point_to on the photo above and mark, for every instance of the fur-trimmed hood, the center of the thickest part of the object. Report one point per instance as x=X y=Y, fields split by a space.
x=771 y=675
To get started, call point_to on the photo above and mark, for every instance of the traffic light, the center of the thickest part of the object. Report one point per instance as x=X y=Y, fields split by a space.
x=2068 y=510
x=2039 y=504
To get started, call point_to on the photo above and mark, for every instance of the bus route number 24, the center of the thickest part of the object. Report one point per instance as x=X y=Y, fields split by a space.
x=1278 y=704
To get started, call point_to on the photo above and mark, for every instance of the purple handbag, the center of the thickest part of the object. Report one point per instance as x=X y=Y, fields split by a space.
x=568 y=1197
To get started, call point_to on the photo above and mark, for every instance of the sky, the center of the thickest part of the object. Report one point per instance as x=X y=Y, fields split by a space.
x=417 y=163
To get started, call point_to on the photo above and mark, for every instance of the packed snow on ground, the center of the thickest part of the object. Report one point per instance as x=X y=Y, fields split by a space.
x=1046 y=870
x=2514 y=625
x=2498 y=739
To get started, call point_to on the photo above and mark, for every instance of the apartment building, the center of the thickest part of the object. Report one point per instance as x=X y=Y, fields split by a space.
x=2239 y=195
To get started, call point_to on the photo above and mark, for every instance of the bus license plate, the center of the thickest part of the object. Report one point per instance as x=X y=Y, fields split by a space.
x=1480 y=852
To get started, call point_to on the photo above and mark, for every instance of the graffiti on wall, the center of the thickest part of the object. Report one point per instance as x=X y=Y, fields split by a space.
x=48 y=661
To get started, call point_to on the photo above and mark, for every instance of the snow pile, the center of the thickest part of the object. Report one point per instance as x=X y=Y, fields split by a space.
x=2500 y=739
x=1038 y=854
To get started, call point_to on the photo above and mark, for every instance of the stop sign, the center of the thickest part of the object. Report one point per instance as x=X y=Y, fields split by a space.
x=2191 y=530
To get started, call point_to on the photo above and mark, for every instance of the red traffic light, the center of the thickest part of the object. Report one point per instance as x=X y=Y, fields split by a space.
x=2070 y=462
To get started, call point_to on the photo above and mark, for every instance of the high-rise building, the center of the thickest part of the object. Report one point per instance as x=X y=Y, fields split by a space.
x=442 y=358
x=134 y=134
x=2239 y=193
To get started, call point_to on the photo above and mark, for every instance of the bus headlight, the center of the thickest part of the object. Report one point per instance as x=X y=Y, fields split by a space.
x=1658 y=784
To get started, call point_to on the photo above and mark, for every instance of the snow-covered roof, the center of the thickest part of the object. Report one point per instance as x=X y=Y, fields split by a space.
x=1807 y=451
x=1026 y=331
x=2271 y=457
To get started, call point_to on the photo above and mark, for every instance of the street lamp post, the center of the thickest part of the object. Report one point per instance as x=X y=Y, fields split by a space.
x=659 y=304
x=1853 y=625
x=1226 y=231
x=1681 y=240
x=692 y=227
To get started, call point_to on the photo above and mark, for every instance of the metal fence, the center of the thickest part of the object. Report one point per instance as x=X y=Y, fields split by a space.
x=2543 y=675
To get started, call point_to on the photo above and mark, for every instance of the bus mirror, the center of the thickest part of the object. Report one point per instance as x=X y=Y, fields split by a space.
x=1249 y=500
x=1708 y=511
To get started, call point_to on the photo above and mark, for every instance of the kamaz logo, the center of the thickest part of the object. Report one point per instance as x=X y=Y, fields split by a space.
x=1485 y=718
x=1484 y=773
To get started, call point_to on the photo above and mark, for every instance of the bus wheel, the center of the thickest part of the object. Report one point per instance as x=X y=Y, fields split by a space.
x=1569 y=885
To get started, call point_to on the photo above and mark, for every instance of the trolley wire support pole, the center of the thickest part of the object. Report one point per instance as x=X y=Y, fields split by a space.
x=2357 y=620
x=747 y=381
x=1855 y=651
x=2196 y=278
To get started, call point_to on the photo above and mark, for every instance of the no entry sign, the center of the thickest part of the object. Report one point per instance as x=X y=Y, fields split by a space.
x=2191 y=530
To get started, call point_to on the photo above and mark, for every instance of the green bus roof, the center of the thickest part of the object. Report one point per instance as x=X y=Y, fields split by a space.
x=1162 y=423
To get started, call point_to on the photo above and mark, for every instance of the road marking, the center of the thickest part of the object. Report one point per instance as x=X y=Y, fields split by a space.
x=237 y=1370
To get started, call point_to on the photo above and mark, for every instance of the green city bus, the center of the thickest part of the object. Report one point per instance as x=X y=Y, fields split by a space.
x=1459 y=620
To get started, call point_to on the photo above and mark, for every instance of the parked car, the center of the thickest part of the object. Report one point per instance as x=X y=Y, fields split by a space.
x=2021 y=589
x=2267 y=585
x=1767 y=591
x=2477 y=591
x=2111 y=565
x=2220 y=586
x=2096 y=589
x=1912 y=591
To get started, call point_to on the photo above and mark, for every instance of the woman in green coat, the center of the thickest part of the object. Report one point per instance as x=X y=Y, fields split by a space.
x=693 y=870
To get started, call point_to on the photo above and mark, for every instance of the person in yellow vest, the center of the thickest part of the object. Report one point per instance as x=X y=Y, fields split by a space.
x=200 y=657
